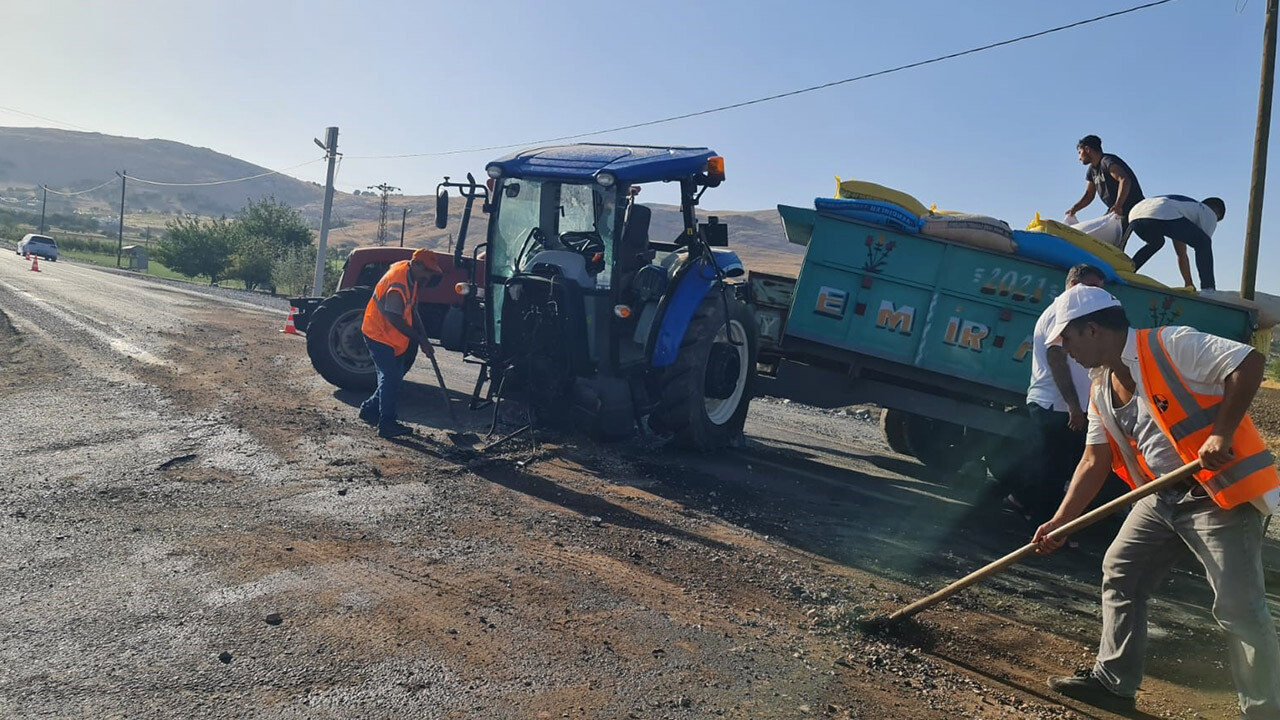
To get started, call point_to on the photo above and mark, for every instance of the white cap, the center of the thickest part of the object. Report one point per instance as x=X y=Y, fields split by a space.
x=1075 y=303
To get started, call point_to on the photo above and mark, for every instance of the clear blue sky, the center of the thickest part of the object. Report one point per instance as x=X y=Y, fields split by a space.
x=1173 y=90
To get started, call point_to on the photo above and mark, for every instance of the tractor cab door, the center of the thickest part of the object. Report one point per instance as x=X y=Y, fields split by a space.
x=558 y=234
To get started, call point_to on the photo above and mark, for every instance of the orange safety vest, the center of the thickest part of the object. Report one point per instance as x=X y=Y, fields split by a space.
x=375 y=326
x=1187 y=420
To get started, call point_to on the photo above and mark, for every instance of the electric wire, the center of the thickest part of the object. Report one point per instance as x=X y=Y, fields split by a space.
x=778 y=96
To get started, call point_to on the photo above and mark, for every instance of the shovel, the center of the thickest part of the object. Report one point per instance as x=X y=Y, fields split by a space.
x=1061 y=533
x=461 y=439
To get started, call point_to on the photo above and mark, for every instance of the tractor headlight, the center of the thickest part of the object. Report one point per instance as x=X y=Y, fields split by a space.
x=495 y=171
x=606 y=180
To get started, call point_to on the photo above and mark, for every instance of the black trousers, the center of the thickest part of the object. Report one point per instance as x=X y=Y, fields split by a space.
x=1153 y=232
x=1053 y=452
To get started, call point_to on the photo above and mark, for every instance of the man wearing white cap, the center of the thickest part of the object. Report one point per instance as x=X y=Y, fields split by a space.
x=1160 y=399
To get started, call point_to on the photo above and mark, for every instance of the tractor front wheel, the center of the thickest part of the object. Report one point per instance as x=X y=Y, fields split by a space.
x=705 y=393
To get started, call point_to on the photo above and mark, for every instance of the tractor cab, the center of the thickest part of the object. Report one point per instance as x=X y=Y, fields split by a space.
x=578 y=310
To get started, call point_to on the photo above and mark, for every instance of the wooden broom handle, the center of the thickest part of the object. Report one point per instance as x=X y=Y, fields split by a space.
x=1061 y=533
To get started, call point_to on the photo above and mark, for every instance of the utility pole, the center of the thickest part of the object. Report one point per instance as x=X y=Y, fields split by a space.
x=403 y=216
x=382 y=223
x=43 y=203
x=124 y=177
x=330 y=147
x=1258 y=181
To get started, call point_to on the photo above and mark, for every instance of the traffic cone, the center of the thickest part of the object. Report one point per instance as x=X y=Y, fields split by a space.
x=289 y=329
x=35 y=264
x=26 y=254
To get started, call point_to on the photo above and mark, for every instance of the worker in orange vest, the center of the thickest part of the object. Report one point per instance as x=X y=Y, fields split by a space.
x=388 y=331
x=1161 y=398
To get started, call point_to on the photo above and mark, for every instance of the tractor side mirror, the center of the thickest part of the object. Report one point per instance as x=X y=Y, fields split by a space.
x=715 y=232
x=442 y=209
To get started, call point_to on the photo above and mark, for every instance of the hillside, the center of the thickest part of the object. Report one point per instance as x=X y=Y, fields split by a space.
x=65 y=159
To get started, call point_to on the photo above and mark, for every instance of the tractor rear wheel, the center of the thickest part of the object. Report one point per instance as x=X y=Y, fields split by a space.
x=335 y=342
x=942 y=445
x=893 y=423
x=705 y=393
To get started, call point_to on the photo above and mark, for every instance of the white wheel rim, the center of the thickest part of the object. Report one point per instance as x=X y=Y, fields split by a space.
x=719 y=411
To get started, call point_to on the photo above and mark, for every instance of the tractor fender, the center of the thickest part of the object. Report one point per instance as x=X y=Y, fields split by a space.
x=692 y=285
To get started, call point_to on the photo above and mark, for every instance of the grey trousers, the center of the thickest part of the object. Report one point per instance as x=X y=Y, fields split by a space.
x=1228 y=543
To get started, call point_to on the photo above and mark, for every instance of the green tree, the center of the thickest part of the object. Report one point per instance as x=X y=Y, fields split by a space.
x=281 y=225
x=294 y=271
x=252 y=261
x=195 y=247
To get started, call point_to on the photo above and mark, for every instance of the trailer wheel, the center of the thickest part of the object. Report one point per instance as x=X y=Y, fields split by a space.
x=942 y=445
x=893 y=423
x=705 y=393
x=335 y=342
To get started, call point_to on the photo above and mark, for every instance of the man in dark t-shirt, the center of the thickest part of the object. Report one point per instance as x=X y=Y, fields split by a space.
x=1109 y=178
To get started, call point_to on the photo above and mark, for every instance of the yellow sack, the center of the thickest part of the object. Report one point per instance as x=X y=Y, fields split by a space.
x=1134 y=278
x=1109 y=254
x=862 y=190
x=933 y=210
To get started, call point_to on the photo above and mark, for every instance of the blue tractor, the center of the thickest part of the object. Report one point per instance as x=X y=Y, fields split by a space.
x=572 y=308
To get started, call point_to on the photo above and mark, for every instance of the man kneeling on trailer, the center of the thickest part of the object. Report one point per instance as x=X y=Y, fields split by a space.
x=388 y=331
x=1162 y=398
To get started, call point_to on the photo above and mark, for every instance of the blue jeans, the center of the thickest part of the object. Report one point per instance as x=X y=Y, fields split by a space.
x=390 y=371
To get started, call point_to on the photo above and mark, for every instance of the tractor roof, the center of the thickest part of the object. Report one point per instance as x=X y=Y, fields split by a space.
x=628 y=163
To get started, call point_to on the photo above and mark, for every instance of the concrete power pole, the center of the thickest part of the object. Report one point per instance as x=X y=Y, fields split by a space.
x=330 y=147
x=1258 y=182
x=43 y=203
x=382 y=223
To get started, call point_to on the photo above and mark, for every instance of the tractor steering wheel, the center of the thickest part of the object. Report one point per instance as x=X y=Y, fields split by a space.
x=585 y=243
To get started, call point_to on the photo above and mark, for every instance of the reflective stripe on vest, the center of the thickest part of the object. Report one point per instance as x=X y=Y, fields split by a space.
x=1187 y=419
x=375 y=326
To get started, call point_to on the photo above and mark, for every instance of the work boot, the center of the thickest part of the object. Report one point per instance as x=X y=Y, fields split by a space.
x=1088 y=689
x=394 y=430
x=369 y=415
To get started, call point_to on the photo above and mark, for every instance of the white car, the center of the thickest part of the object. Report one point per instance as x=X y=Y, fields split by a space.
x=40 y=245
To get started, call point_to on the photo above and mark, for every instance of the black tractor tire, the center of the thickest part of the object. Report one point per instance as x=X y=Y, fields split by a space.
x=696 y=420
x=893 y=423
x=941 y=445
x=335 y=342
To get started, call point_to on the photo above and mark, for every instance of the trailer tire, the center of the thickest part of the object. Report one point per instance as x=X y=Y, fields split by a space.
x=941 y=445
x=699 y=421
x=893 y=423
x=335 y=342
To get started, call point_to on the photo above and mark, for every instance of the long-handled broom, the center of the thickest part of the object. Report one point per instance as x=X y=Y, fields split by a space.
x=1061 y=533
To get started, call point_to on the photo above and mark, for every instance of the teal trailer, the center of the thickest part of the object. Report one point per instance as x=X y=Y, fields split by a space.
x=935 y=331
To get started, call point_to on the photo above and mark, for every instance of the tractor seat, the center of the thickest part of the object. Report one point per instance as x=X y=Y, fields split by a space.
x=634 y=251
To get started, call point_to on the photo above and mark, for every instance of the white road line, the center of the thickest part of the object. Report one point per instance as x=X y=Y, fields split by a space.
x=118 y=344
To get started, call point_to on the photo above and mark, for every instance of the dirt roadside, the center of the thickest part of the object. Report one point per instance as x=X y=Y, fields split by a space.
x=170 y=508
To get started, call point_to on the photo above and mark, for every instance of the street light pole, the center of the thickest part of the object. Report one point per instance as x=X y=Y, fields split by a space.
x=124 y=177
x=403 y=216
x=330 y=147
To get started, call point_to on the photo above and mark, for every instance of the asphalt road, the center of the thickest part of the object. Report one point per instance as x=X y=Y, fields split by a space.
x=197 y=526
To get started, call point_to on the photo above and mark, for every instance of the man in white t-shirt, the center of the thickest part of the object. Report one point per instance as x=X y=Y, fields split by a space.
x=1186 y=222
x=1162 y=398
x=1056 y=399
